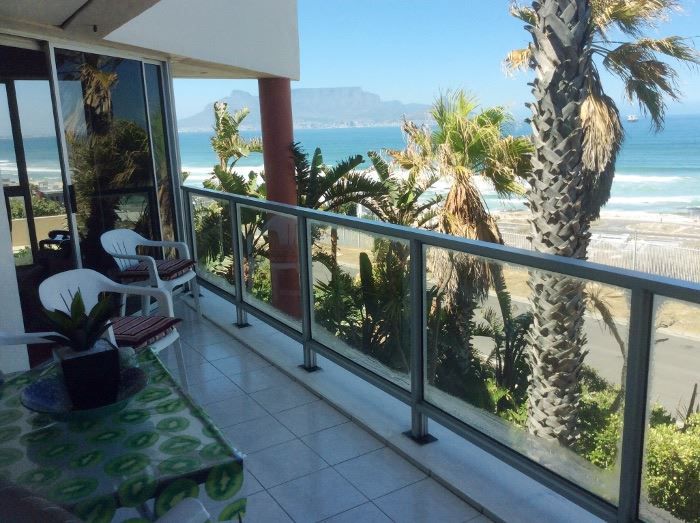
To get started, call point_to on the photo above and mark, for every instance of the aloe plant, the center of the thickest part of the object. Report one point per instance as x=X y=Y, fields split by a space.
x=80 y=330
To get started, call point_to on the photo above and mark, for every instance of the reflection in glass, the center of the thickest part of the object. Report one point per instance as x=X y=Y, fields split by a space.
x=104 y=112
x=270 y=263
x=361 y=298
x=213 y=240
x=41 y=156
x=156 y=110
x=671 y=481
x=19 y=225
x=8 y=163
x=479 y=366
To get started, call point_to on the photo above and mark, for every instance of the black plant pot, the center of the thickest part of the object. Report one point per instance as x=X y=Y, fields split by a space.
x=92 y=378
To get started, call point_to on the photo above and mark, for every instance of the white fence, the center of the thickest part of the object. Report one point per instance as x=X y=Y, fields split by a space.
x=633 y=252
x=627 y=251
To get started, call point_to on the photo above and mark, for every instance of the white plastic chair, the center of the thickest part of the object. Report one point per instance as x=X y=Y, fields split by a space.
x=56 y=292
x=122 y=245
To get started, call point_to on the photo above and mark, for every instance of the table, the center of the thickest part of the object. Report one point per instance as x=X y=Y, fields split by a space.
x=159 y=450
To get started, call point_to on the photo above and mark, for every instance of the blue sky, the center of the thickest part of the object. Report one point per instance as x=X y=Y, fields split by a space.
x=411 y=50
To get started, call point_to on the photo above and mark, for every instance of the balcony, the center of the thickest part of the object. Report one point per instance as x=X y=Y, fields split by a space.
x=306 y=460
x=484 y=457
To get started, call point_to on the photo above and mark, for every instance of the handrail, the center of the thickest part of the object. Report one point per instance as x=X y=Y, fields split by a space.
x=581 y=269
x=643 y=289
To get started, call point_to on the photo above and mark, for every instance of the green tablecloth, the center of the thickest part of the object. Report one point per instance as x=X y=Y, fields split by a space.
x=162 y=447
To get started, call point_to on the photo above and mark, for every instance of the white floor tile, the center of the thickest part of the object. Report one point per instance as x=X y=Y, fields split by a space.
x=367 y=513
x=258 y=434
x=191 y=356
x=341 y=443
x=283 y=463
x=423 y=502
x=198 y=373
x=379 y=472
x=317 y=496
x=262 y=508
x=285 y=397
x=310 y=418
x=240 y=363
x=202 y=335
x=214 y=390
x=234 y=410
x=222 y=349
x=261 y=379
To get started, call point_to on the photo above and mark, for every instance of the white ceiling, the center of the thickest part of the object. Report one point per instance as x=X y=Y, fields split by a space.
x=52 y=12
x=75 y=16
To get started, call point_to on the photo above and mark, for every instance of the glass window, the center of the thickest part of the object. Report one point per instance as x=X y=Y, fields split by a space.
x=104 y=112
x=8 y=163
x=156 y=112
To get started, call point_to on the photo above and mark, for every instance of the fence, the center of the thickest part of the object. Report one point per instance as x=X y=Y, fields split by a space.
x=626 y=252
x=277 y=240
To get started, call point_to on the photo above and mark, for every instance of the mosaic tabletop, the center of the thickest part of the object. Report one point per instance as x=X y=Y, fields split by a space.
x=159 y=450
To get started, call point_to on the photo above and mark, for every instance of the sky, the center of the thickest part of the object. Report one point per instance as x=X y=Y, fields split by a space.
x=411 y=50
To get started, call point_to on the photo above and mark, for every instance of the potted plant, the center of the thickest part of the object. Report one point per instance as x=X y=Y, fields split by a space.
x=90 y=364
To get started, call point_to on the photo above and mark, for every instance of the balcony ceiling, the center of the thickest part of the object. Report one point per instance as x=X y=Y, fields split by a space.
x=75 y=16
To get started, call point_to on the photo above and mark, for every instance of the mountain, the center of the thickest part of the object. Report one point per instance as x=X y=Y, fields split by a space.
x=318 y=108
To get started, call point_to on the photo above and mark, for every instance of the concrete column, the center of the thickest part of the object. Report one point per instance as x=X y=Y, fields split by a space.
x=278 y=135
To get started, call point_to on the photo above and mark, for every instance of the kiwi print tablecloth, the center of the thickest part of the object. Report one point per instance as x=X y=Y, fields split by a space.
x=160 y=449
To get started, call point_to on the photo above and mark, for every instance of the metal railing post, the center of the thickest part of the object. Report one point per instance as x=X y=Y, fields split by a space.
x=241 y=314
x=636 y=384
x=419 y=421
x=304 y=250
x=191 y=237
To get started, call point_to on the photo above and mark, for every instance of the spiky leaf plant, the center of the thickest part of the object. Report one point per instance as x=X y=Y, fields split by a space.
x=80 y=330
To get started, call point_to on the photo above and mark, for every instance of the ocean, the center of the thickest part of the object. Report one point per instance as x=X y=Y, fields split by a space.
x=656 y=172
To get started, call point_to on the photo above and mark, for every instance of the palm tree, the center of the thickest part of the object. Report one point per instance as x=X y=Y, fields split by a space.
x=230 y=147
x=467 y=146
x=577 y=134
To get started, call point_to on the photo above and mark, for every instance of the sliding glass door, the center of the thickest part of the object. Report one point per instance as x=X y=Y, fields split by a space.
x=106 y=132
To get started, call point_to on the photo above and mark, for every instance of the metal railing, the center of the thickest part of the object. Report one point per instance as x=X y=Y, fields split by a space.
x=642 y=288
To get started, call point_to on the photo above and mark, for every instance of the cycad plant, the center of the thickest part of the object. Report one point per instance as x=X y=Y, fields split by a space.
x=576 y=135
x=338 y=188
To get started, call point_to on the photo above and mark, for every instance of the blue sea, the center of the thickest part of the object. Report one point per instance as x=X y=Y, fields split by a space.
x=656 y=172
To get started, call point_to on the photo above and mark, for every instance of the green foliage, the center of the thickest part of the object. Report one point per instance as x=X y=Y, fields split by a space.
x=332 y=188
x=79 y=330
x=407 y=200
x=227 y=142
x=600 y=421
x=41 y=206
x=508 y=358
x=673 y=468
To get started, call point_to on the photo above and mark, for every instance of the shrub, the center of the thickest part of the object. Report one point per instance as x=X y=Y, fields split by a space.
x=673 y=469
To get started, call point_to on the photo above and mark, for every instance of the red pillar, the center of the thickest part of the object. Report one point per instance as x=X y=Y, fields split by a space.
x=277 y=136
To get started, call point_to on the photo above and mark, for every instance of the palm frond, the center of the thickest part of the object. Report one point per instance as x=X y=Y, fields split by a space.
x=518 y=60
x=603 y=133
x=630 y=16
x=524 y=13
x=647 y=79
x=381 y=166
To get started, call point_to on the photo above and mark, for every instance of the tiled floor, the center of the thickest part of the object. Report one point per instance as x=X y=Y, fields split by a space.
x=304 y=461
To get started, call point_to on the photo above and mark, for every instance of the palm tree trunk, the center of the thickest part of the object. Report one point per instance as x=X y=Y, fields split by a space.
x=558 y=224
